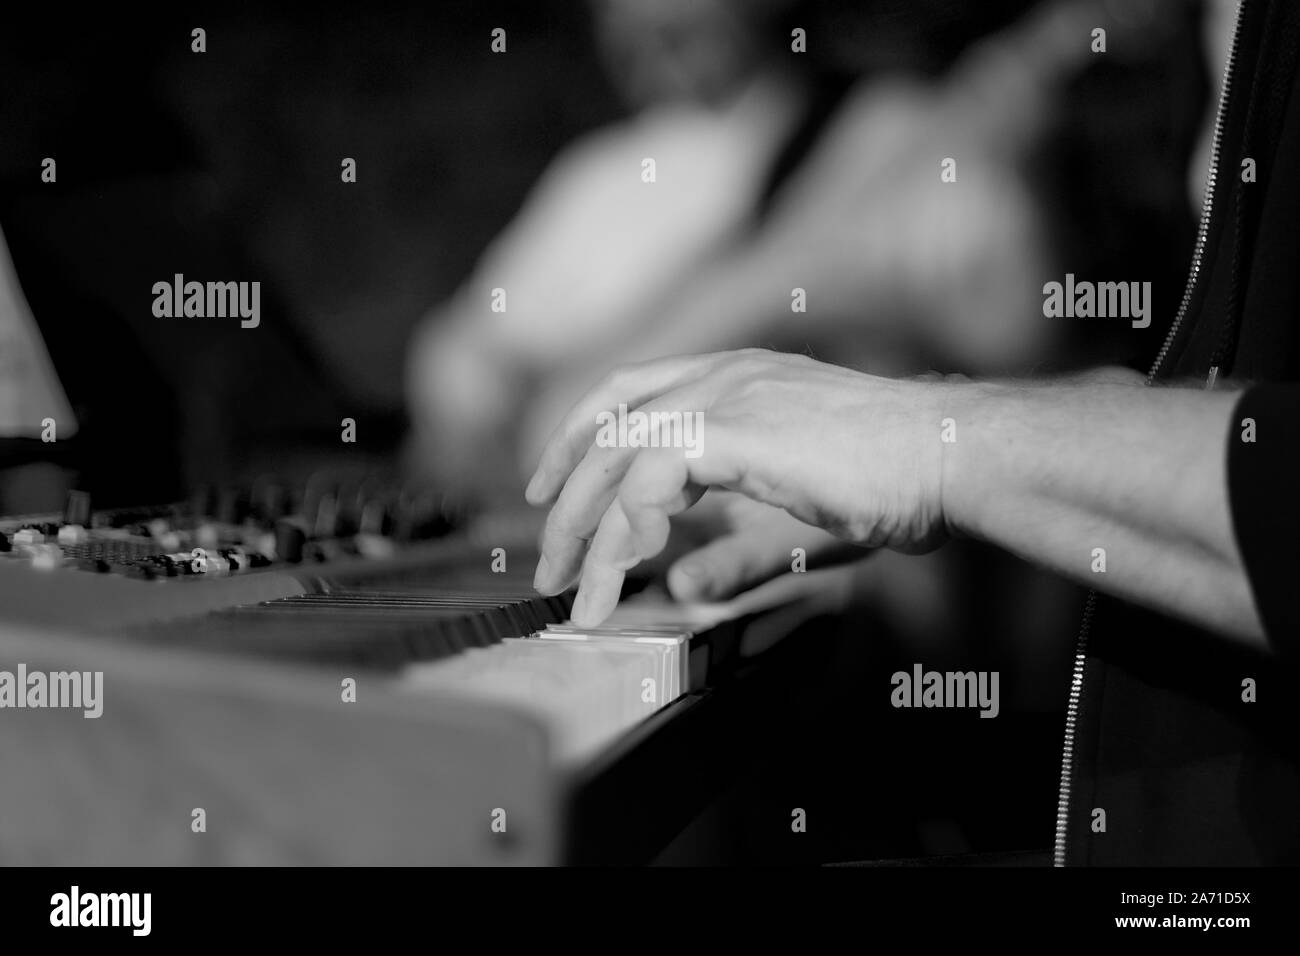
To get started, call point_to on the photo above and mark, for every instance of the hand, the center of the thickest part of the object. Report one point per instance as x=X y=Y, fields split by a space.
x=855 y=455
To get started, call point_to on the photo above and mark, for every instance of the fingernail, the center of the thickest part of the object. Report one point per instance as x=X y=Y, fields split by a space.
x=542 y=574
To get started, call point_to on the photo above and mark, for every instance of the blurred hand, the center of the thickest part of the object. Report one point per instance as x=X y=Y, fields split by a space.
x=854 y=455
x=462 y=400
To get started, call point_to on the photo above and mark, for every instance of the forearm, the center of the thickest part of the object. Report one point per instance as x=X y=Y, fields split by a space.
x=1081 y=477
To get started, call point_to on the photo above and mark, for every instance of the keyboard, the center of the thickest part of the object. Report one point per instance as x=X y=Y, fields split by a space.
x=403 y=700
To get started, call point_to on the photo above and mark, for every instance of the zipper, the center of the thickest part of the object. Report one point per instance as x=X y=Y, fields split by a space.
x=1071 y=725
x=1198 y=253
x=1207 y=201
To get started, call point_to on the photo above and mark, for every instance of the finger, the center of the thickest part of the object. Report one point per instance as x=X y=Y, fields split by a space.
x=658 y=483
x=611 y=555
x=724 y=567
x=657 y=486
x=662 y=481
x=576 y=514
x=593 y=483
x=634 y=527
x=737 y=562
x=632 y=385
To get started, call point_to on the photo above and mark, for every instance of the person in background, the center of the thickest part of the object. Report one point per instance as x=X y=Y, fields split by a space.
x=788 y=191
x=594 y=244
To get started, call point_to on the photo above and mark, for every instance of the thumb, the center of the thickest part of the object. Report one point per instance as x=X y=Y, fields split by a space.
x=727 y=566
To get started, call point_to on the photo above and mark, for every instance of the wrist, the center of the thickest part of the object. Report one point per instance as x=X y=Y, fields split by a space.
x=972 y=438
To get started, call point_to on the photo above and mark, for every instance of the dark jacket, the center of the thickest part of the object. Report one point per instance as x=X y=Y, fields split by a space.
x=1189 y=770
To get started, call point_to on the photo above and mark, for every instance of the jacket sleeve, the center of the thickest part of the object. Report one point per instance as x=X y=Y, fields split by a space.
x=1264 y=495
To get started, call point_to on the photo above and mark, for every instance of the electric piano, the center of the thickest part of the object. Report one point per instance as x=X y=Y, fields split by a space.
x=342 y=677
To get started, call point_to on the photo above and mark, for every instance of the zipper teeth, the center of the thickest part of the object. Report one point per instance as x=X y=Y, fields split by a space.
x=1193 y=276
x=1207 y=202
x=1071 y=725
